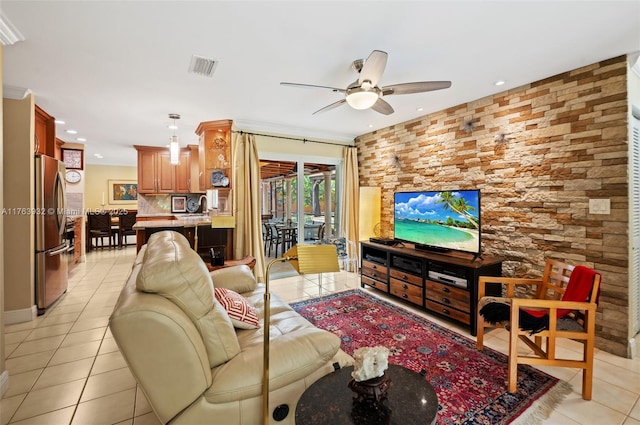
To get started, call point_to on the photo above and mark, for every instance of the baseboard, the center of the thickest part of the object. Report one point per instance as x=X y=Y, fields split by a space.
x=4 y=382
x=19 y=316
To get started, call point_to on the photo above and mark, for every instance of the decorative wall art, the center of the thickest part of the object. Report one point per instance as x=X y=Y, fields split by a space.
x=123 y=191
x=178 y=204
x=73 y=159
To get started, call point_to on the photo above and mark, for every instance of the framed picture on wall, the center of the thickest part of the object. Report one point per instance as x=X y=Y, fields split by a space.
x=178 y=204
x=73 y=159
x=123 y=191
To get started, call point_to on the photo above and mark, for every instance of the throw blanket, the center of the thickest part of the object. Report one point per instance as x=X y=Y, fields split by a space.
x=578 y=289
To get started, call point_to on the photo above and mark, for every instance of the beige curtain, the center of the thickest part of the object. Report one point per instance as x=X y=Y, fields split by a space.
x=246 y=178
x=350 y=202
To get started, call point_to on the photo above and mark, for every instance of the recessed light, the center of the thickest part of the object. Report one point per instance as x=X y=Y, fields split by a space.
x=370 y=125
x=60 y=122
x=499 y=82
x=71 y=131
x=173 y=127
x=420 y=109
x=81 y=139
x=97 y=155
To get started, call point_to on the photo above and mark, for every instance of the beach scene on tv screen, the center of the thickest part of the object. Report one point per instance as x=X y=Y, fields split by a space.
x=443 y=219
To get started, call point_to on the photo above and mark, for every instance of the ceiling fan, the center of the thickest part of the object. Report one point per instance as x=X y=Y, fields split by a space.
x=365 y=93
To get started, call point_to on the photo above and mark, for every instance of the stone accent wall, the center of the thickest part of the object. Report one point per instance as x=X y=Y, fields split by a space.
x=538 y=153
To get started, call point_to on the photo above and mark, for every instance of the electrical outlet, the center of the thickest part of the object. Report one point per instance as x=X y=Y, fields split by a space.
x=599 y=206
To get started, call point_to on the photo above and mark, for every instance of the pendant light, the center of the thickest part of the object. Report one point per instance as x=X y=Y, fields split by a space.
x=174 y=146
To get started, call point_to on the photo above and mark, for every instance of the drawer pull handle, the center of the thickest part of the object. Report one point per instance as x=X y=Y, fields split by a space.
x=445 y=311
x=446 y=301
x=374 y=274
x=445 y=289
x=405 y=296
x=404 y=286
x=405 y=277
x=374 y=266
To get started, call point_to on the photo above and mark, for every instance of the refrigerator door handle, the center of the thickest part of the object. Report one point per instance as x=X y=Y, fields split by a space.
x=59 y=200
x=58 y=251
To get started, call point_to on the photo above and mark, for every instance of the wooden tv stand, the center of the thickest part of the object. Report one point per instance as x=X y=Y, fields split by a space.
x=445 y=284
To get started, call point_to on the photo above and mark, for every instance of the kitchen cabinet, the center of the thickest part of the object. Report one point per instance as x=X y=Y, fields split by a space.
x=194 y=180
x=183 y=173
x=156 y=174
x=45 y=133
x=214 y=155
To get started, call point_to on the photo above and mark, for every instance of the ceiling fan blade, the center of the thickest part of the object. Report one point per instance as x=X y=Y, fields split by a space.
x=373 y=67
x=312 y=86
x=383 y=107
x=331 y=106
x=420 y=87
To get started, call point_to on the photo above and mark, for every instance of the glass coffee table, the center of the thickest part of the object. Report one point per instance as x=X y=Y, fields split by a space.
x=329 y=401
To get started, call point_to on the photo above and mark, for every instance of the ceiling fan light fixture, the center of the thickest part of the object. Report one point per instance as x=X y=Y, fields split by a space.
x=359 y=98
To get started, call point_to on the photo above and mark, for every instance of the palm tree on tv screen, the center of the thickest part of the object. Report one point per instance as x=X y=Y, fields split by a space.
x=459 y=205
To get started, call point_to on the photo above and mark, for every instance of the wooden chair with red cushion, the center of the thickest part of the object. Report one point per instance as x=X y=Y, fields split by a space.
x=563 y=306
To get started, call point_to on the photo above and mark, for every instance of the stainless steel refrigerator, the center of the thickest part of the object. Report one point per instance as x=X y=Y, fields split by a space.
x=50 y=225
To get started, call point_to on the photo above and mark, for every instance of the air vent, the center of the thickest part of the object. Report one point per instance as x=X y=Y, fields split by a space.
x=202 y=66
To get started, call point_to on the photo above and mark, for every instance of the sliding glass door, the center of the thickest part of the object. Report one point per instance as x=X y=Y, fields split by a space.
x=315 y=212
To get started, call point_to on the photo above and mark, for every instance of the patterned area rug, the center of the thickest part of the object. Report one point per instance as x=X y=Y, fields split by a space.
x=471 y=384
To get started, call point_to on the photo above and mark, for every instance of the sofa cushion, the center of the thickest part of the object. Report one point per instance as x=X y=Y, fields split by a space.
x=241 y=313
x=175 y=271
x=239 y=279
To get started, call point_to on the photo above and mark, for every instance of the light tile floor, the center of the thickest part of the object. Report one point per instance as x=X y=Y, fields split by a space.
x=65 y=367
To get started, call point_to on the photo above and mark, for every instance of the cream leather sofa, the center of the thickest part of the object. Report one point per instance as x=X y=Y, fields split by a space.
x=192 y=364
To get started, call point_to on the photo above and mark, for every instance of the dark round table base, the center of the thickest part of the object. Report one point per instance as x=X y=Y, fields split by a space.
x=329 y=401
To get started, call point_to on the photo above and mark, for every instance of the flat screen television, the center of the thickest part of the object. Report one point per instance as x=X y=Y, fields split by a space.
x=438 y=220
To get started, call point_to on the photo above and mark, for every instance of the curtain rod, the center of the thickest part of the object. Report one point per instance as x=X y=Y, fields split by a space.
x=291 y=138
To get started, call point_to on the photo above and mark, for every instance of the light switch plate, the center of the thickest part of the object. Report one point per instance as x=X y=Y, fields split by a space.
x=599 y=206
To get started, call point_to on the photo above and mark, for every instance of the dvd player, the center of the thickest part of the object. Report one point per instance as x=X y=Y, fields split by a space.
x=373 y=258
x=445 y=278
x=383 y=241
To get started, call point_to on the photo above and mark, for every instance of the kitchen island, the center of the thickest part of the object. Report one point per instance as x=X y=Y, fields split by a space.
x=196 y=228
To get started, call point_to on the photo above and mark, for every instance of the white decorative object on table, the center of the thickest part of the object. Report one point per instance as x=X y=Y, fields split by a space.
x=370 y=362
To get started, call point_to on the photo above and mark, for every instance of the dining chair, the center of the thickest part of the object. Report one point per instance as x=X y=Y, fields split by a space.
x=562 y=304
x=125 y=226
x=99 y=227
x=267 y=238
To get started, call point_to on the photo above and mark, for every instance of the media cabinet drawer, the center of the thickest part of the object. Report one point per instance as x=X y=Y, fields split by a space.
x=448 y=295
x=406 y=277
x=448 y=311
x=374 y=283
x=406 y=291
x=374 y=270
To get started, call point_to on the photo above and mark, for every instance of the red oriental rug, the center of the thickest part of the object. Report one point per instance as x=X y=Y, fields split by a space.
x=471 y=384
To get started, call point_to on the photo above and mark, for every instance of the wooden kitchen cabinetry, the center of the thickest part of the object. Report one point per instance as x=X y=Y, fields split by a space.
x=45 y=133
x=156 y=174
x=443 y=284
x=214 y=154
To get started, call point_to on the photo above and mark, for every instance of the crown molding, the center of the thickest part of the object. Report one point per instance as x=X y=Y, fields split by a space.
x=9 y=34
x=15 y=93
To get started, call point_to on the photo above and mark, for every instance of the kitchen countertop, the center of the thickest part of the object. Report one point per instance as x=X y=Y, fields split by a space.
x=187 y=221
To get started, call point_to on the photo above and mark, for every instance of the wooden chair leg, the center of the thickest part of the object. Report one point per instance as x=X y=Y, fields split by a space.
x=480 y=332
x=512 y=379
x=587 y=372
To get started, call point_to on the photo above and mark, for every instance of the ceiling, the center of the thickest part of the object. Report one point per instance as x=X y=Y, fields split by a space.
x=115 y=70
x=278 y=169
